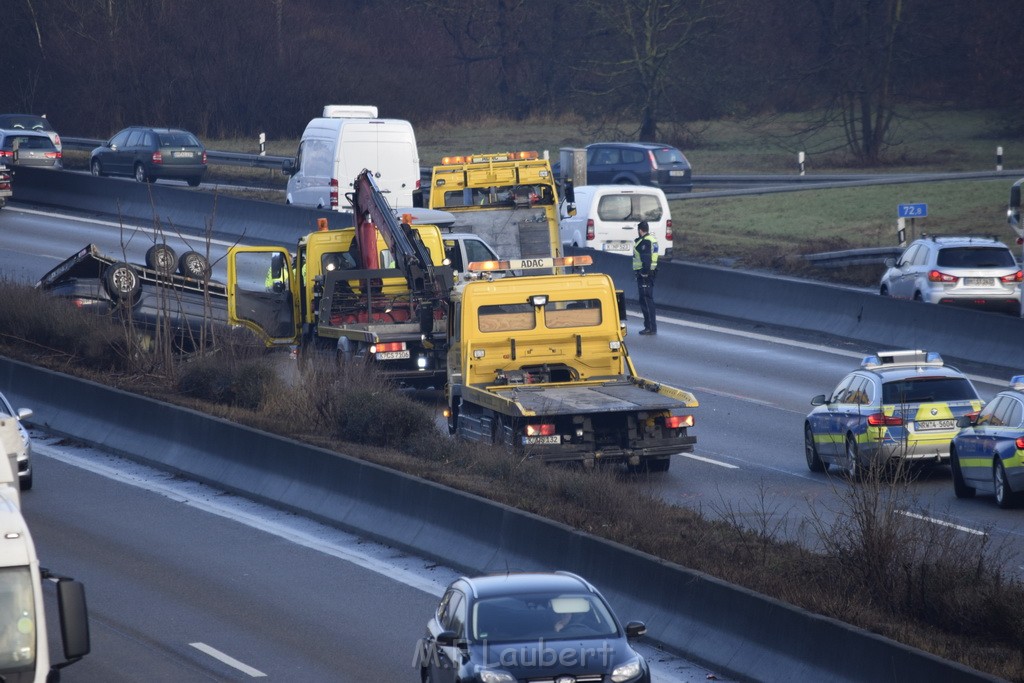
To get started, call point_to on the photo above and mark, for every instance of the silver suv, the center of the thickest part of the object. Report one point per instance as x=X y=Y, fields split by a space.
x=977 y=272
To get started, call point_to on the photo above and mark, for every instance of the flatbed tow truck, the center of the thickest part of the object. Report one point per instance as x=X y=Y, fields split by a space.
x=539 y=364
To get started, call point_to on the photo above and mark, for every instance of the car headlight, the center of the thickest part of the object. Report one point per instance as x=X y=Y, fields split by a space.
x=494 y=676
x=626 y=672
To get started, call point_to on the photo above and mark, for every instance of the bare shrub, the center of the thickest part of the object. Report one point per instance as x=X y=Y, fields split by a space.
x=220 y=378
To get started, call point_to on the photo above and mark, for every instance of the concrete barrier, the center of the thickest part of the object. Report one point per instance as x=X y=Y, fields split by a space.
x=956 y=333
x=730 y=629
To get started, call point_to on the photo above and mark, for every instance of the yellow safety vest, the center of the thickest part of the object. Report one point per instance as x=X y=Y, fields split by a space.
x=637 y=263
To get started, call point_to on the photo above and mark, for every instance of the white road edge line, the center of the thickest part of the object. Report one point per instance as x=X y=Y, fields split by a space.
x=691 y=456
x=229 y=660
x=941 y=522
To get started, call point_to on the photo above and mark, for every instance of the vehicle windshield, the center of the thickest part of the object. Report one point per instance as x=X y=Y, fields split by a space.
x=25 y=122
x=178 y=140
x=17 y=622
x=928 y=389
x=669 y=155
x=541 y=616
x=29 y=142
x=500 y=195
x=976 y=257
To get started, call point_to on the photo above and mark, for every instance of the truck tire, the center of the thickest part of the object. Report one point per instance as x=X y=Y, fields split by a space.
x=193 y=264
x=121 y=281
x=162 y=259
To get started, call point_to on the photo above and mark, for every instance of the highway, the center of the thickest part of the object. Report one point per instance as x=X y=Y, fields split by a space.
x=209 y=581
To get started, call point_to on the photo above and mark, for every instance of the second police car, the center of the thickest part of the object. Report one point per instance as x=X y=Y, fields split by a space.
x=987 y=456
x=899 y=406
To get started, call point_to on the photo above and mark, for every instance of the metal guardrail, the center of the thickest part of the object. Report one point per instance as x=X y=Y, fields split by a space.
x=853 y=257
x=212 y=155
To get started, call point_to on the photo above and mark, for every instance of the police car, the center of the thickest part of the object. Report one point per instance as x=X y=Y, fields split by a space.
x=898 y=406
x=988 y=454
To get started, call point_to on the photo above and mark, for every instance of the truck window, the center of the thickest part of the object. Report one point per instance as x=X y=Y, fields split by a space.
x=506 y=318
x=17 y=621
x=580 y=313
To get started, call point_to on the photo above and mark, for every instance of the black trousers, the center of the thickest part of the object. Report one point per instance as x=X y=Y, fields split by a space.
x=645 y=287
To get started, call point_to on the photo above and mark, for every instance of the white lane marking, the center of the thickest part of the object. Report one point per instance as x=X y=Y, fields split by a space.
x=791 y=342
x=110 y=224
x=229 y=660
x=691 y=456
x=941 y=522
x=738 y=397
x=282 y=530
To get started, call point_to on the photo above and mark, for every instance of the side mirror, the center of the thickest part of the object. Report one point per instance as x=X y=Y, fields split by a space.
x=890 y=262
x=570 y=209
x=74 y=619
x=620 y=301
x=570 y=192
x=288 y=167
x=24 y=413
x=635 y=629
x=965 y=421
x=447 y=638
x=818 y=400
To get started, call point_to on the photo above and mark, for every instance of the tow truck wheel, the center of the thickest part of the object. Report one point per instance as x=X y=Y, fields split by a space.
x=193 y=264
x=121 y=281
x=162 y=259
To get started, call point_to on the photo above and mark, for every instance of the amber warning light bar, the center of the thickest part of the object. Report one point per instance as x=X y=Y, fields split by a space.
x=529 y=264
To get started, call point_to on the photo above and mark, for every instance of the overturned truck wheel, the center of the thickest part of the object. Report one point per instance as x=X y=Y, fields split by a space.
x=121 y=281
x=193 y=264
x=162 y=259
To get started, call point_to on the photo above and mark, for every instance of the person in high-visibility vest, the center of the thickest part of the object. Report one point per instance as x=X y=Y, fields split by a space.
x=645 y=266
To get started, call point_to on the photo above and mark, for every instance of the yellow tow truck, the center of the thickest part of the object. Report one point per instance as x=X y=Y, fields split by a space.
x=539 y=363
x=509 y=199
x=375 y=292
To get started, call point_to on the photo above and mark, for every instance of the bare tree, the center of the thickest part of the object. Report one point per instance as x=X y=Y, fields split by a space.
x=643 y=45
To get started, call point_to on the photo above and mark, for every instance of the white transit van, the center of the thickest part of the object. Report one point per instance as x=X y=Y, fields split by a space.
x=607 y=215
x=336 y=147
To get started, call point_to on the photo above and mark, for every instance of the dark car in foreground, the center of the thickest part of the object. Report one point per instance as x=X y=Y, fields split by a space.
x=987 y=456
x=639 y=163
x=28 y=148
x=513 y=628
x=149 y=154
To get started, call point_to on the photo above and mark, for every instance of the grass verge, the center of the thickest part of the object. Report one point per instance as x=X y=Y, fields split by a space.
x=927 y=587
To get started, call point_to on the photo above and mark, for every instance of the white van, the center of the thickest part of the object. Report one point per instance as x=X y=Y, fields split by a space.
x=336 y=147
x=607 y=215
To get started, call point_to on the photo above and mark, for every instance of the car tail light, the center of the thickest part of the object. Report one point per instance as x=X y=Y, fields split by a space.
x=668 y=229
x=1019 y=443
x=158 y=158
x=654 y=162
x=883 y=420
x=590 y=228
x=936 y=276
x=677 y=421
x=387 y=346
x=6 y=154
x=1013 y=277
x=52 y=155
x=545 y=429
x=334 y=194
x=204 y=156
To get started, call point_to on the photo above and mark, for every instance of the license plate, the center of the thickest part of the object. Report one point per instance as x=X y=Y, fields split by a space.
x=534 y=440
x=977 y=282
x=616 y=246
x=392 y=355
x=182 y=155
x=932 y=425
x=677 y=174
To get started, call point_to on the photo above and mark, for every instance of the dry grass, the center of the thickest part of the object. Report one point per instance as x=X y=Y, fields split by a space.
x=921 y=584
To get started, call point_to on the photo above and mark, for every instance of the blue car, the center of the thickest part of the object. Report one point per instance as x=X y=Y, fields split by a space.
x=988 y=454
x=899 y=406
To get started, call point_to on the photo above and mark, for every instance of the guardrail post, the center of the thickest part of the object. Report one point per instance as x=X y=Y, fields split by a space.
x=999 y=158
x=800 y=157
x=901 y=231
x=263 y=144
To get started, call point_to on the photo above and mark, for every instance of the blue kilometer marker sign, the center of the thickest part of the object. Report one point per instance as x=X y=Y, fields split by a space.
x=912 y=210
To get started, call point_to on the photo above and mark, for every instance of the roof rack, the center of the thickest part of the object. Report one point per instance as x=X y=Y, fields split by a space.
x=969 y=238
x=902 y=359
